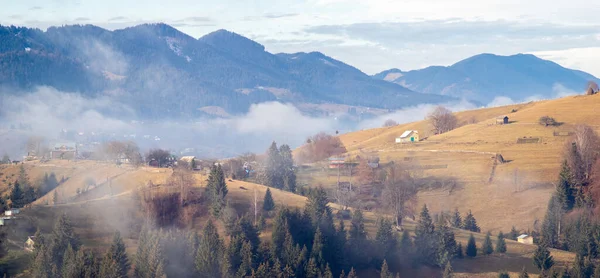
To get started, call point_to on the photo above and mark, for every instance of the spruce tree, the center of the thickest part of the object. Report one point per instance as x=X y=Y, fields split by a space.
x=487 y=247
x=456 y=220
x=542 y=258
x=470 y=224
x=268 y=203
x=385 y=272
x=247 y=261
x=352 y=273
x=23 y=177
x=217 y=189
x=524 y=273
x=446 y=243
x=564 y=188
x=471 y=250
x=141 y=255
x=406 y=245
x=69 y=267
x=386 y=238
x=448 y=273
x=115 y=261
x=357 y=228
x=425 y=243
x=63 y=235
x=514 y=234
x=274 y=167
x=42 y=264
x=210 y=252
x=17 y=197
x=287 y=168
x=312 y=269
x=327 y=273
x=500 y=243
x=459 y=251
x=317 y=248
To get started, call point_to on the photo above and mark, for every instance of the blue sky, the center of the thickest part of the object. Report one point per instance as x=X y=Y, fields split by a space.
x=371 y=35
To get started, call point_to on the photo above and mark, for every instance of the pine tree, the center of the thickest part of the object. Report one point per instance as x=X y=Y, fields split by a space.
x=514 y=234
x=406 y=245
x=456 y=220
x=503 y=274
x=446 y=243
x=274 y=168
x=448 y=273
x=55 y=197
x=42 y=264
x=352 y=273
x=217 y=189
x=312 y=269
x=63 y=235
x=210 y=252
x=542 y=258
x=23 y=177
x=386 y=238
x=471 y=250
x=247 y=261
x=564 y=188
x=425 y=243
x=500 y=243
x=317 y=248
x=357 y=227
x=69 y=267
x=268 y=203
x=459 y=251
x=17 y=197
x=487 y=247
x=470 y=224
x=524 y=273
x=287 y=168
x=141 y=255
x=327 y=273
x=115 y=262
x=385 y=272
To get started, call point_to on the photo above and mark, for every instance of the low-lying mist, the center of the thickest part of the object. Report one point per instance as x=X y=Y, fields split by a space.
x=62 y=117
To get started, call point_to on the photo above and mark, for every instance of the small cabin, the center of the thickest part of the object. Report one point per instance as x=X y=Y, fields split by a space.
x=525 y=239
x=503 y=120
x=408 y=136
x=336 y=162
x=11 y=212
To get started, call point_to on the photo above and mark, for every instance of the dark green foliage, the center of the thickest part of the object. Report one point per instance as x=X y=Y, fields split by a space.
x=274 y=167
x=456 y=220
x=487 y=247
x=312 y=269
x=596 y=272
x=247 y=260
x=564 y=188
x=448 y=272
x=63 y=235
x=406 y=245
x=503 y=274
x=48 y=183
x=115 y=262
x=425 y=239
x=287 y=168
x=210 y=252
x=446 y=244
x=500 y=243
x=69 y=268
x=318 y=249
x=514 y=234
x=386 y=238
x=216 y=189
x=551 y=222
x=268 y=203
x=470 y=224
x=542 y=258
x=327 y=273
x=385 y=271
x=471 y=250
x=582 y=267
x=459 y=251
x=17 y=196
x=357 y=228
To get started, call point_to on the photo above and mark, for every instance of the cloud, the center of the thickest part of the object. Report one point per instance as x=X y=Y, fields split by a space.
x=197 y=19
x=117 y=18
x=269 y=16
x=82 y=19
x=280 y=15
x=35 y=8
x=558 y=91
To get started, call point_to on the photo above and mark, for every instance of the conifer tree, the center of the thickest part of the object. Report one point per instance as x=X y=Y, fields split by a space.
x=596 y=272
x=63 y=235
x=274 y=168
x=357 y=228
x=386 y=238
x=446 y=243
x=327 y=273
x=141 y=255
x=385 y=272
x=425 y=243
x=542 y=258
x=459 y=251
x=69 y=267
x=115 y=262
x=514 y=233
x=470 y=224
x=287 y=168
x=500 y=243
x=471 y=250
x=247 y=261
x=352 y=273
x=406 y=245
x=42 y=264
x=448 y=273
x=312 y=269
x=23 y=177
x=524 y=273
x=17 y=197
x=317 y=248
x=217 y=189
x=156 y=262
x=487 y=247
x=456 y=220
x=210 y=252
x=564 y=188
x=301 y=262
x=268 y=203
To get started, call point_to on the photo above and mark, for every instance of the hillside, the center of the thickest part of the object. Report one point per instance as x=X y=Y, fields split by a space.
x=158 y=70
x=486 y=76
x=97 y=218
x=519 y=190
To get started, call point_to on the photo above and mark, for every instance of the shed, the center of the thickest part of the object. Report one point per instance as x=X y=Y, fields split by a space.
x=11 y=212
x=502 y=120
x=408 y=137
x=526 y=239
x=336 y=162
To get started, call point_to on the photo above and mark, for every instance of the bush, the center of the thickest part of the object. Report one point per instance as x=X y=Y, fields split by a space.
x=547 y=121
x=390 y=123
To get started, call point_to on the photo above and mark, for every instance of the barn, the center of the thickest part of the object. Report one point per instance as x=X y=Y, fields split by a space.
x=503 y=120
x=526 y=239
x=408 y=137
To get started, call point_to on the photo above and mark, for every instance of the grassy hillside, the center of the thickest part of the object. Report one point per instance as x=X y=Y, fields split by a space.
x=519 y=190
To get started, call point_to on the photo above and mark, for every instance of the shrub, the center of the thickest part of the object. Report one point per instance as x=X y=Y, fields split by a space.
x=547 y=121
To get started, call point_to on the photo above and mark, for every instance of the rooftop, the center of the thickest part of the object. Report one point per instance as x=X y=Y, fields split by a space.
x=407 y=133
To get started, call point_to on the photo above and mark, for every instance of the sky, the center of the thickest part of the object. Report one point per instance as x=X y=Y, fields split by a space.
x=372 y=35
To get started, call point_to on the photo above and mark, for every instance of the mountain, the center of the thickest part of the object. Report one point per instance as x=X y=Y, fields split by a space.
x=161 y=72
x=486 y=76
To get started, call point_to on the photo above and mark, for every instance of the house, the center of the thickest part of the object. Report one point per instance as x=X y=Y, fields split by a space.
x=336 y=162
x=503 y=120
x=29 y=244
x=408 y=136
x=526 y=239
x=11 y=212
x=64 y=151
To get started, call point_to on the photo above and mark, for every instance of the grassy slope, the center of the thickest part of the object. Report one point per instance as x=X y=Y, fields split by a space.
x=467 y=151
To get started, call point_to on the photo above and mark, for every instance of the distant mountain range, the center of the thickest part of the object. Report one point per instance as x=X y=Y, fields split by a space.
x=162 y=72
x=486 y=76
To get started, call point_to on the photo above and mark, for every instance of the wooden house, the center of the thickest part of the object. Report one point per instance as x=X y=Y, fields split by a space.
x=408 y=136
x=525 y=239
x=503 y=120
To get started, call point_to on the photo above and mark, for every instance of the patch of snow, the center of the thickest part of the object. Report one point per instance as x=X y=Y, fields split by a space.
x=392 y=76
x=176 y=48
x=327 y=63
x=27 y=49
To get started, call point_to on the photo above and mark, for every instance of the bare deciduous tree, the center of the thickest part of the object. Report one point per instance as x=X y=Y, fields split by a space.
x=319 y=147
x=344 y=196
x=587 y=144
x=592 y=88
x=442 y=120
x=390 y=123
x=547 y=121
x=399 y=193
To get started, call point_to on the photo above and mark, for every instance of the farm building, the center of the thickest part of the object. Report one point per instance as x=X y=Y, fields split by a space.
x=64 y=151
x=503 y=120
x=336 y=162
x=11 y=212
x=408 y=136
x=526 y=239
x=29 y=244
